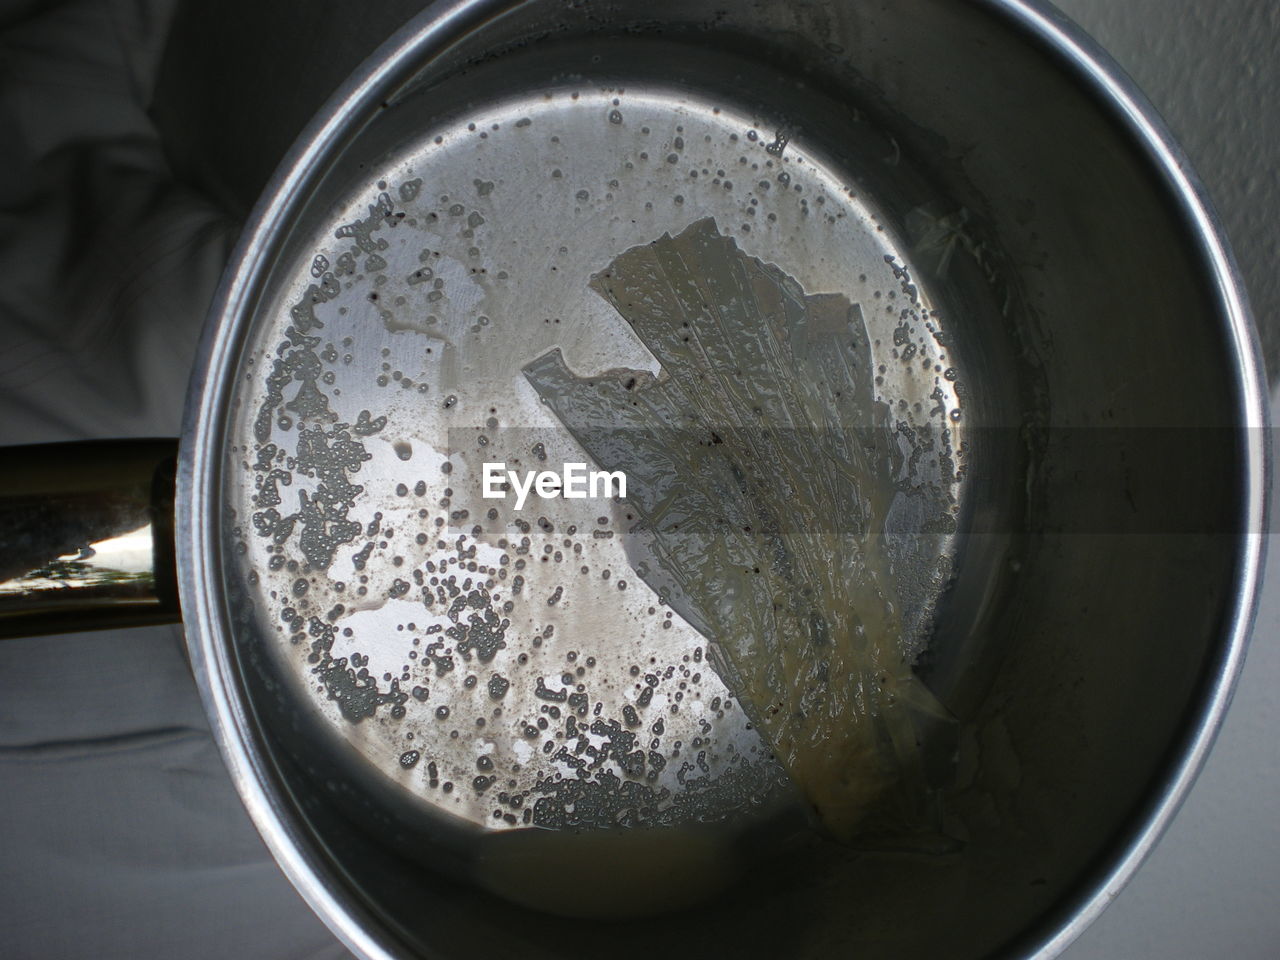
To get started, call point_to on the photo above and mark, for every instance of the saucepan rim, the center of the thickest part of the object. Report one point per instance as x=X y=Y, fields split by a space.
x=203 y=446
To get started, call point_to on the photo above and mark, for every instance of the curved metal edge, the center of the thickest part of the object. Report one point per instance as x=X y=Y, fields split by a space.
x=201 y=454
x=1092 y=64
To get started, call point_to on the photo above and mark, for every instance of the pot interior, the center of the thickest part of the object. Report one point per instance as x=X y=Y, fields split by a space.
x=1037 y=310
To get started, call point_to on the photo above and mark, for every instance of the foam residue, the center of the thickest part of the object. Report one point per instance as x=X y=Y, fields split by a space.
x=762 y=469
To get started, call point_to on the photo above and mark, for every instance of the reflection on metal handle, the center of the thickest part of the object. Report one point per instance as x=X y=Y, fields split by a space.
x=86 y=536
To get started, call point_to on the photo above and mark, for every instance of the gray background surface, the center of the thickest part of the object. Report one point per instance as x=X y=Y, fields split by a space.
x=133 y=133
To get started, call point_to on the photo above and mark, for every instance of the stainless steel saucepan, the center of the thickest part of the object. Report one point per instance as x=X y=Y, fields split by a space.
x=943 y=242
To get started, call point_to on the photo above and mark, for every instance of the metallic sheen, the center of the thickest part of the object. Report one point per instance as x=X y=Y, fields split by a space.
x=1111 y=300
x=88 y=535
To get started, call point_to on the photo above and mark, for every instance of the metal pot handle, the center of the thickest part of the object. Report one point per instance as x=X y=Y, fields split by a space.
x=86 y=536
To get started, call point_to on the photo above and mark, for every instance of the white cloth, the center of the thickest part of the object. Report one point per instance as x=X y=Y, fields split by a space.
x=120 y=833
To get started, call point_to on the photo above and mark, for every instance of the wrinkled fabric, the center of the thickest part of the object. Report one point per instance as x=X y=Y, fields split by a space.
x=121 y=835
